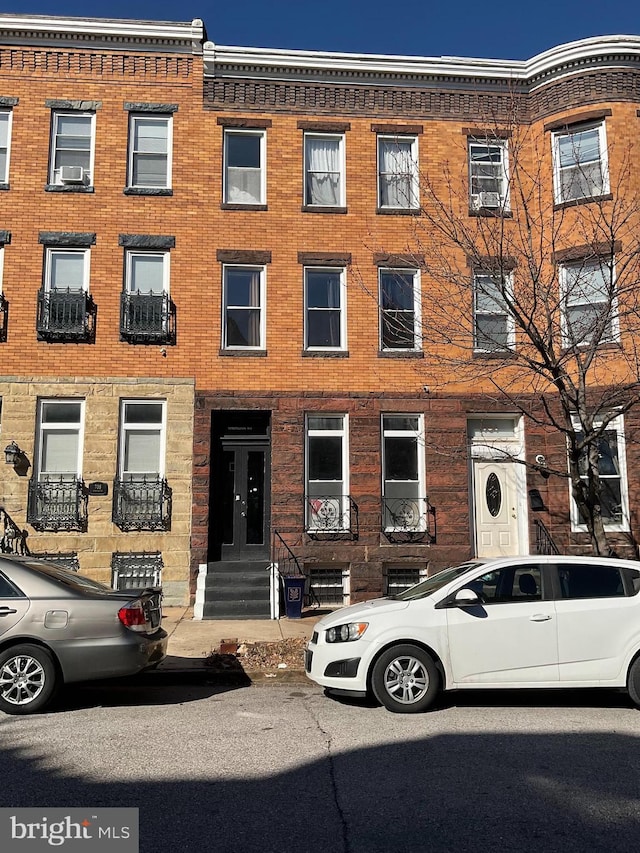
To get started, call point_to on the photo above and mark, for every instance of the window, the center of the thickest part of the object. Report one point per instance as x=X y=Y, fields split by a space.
x=510 y=585
x=244 y=172
x=614 y=501
x=399 y=309
x=400 y=578
x=141 y=495
x=244 y=298
x=324 y=291
x=590 y=581
x=72 y=144
x=327 y=473
x=136 y=570
x=398 y=172
x=5 y=144
x=56 y=494
x=324 y=170
x=65 y=311
x=330 y=585
x=403 y=488
x=147 y=314
x=488 y=175
x=580 y=163
x=150 y=144
x=142 y=438
x=588 y=302
x=493 y=326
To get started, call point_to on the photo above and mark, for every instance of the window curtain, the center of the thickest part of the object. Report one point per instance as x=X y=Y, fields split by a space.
x=396 y=174
x=323 y=172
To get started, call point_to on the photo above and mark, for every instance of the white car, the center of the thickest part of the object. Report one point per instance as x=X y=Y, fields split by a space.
x=515 y=622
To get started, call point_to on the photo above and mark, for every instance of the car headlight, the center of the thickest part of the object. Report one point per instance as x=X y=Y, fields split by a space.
x=346 y=633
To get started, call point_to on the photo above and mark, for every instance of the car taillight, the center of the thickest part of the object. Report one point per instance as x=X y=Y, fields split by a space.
x=132 y=616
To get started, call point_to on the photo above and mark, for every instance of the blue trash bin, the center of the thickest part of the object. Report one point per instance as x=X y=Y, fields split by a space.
x=293 y=595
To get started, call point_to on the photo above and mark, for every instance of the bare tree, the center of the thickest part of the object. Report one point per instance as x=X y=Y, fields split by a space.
x=530 y=291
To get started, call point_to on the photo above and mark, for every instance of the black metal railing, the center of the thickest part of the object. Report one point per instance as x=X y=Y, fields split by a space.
x=283 y=557
x=13 y=540
x=544 y=540
x=331 y=515
x=409 y=519
x=147 y=318
x=65 y=315
x=57 y=503
x=142 y=503
x=4 y=316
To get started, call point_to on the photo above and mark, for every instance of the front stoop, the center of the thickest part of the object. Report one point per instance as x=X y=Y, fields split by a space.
x=234 y=590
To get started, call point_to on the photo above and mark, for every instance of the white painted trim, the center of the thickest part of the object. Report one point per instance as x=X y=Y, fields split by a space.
x=562 y=60
x=198 y=608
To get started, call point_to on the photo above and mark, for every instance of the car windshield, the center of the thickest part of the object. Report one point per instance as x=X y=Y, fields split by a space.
x=69 y=578
x=435 y=582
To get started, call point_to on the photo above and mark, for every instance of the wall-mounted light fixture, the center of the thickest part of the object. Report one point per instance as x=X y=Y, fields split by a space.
x=12 y=454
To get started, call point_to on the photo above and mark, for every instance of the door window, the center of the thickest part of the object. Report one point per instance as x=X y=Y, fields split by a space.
x=509 y=585
x=589 y=581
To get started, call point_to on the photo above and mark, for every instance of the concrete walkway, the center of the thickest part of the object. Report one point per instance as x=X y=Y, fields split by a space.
x=191 y=641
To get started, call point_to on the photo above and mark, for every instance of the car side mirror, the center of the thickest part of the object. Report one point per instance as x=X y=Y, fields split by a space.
x=466 y=597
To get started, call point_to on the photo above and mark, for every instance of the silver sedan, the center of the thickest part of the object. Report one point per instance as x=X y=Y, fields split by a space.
x=57 y=627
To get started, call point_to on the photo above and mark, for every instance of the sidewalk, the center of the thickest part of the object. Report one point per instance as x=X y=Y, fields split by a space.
x=191 y=642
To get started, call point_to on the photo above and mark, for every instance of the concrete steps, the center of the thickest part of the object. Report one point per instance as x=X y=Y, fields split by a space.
x=234 y=590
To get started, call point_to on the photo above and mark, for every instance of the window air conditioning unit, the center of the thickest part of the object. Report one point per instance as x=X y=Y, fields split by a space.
x=72 y=174
x=488 y=199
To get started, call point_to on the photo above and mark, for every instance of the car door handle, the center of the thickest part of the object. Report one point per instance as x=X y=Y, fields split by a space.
x=539 y=617
x=6 y=611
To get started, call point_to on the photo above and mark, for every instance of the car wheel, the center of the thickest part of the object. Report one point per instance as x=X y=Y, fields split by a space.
x=405 y=679
x=633 y=682
x=28 y=679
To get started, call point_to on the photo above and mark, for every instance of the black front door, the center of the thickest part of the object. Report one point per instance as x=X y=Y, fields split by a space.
x=245 y=499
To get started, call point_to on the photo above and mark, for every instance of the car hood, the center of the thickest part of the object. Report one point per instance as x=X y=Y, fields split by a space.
x=361 y=612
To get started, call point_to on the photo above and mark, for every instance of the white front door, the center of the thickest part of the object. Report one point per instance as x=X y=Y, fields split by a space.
x=495 y=508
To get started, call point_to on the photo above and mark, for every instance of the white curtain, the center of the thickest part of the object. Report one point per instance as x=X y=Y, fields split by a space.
x=323 y=172
x=396 y=174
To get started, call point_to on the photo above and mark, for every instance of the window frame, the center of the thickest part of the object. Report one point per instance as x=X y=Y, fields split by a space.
x=50 y=251
x=418 y=435
x=558 y=169
x=130 y=254
x=414 y=200
x=502 y=145
x=622 y=526
x=60 y=426
x=510 y=321
x=126 y=426
x=343 y=433
x=341 y=309
x=7 y=111
x=134 y=117
x=228 y=133
x=262 y=307
x=614 y=336
x=342 y=194
x=417 y=309
x=54 y=171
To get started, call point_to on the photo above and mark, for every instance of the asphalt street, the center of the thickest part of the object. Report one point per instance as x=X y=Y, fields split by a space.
x=285 y=768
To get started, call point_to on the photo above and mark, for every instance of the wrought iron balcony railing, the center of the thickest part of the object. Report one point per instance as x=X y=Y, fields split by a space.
x=57 y=503
x=142 y=503
x=147 y=318
x=408 y=520
x=65 y=315
x=331 y=515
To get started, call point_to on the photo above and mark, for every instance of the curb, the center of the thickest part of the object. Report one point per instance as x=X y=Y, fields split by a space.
x=235 y=678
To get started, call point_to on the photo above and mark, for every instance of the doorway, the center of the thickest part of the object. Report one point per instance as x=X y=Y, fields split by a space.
x=240 y=486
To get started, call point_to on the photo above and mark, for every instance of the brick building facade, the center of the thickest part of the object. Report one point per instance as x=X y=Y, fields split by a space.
x=239 y=247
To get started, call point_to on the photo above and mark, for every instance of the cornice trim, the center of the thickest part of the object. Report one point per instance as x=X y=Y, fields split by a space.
x=178 y=37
